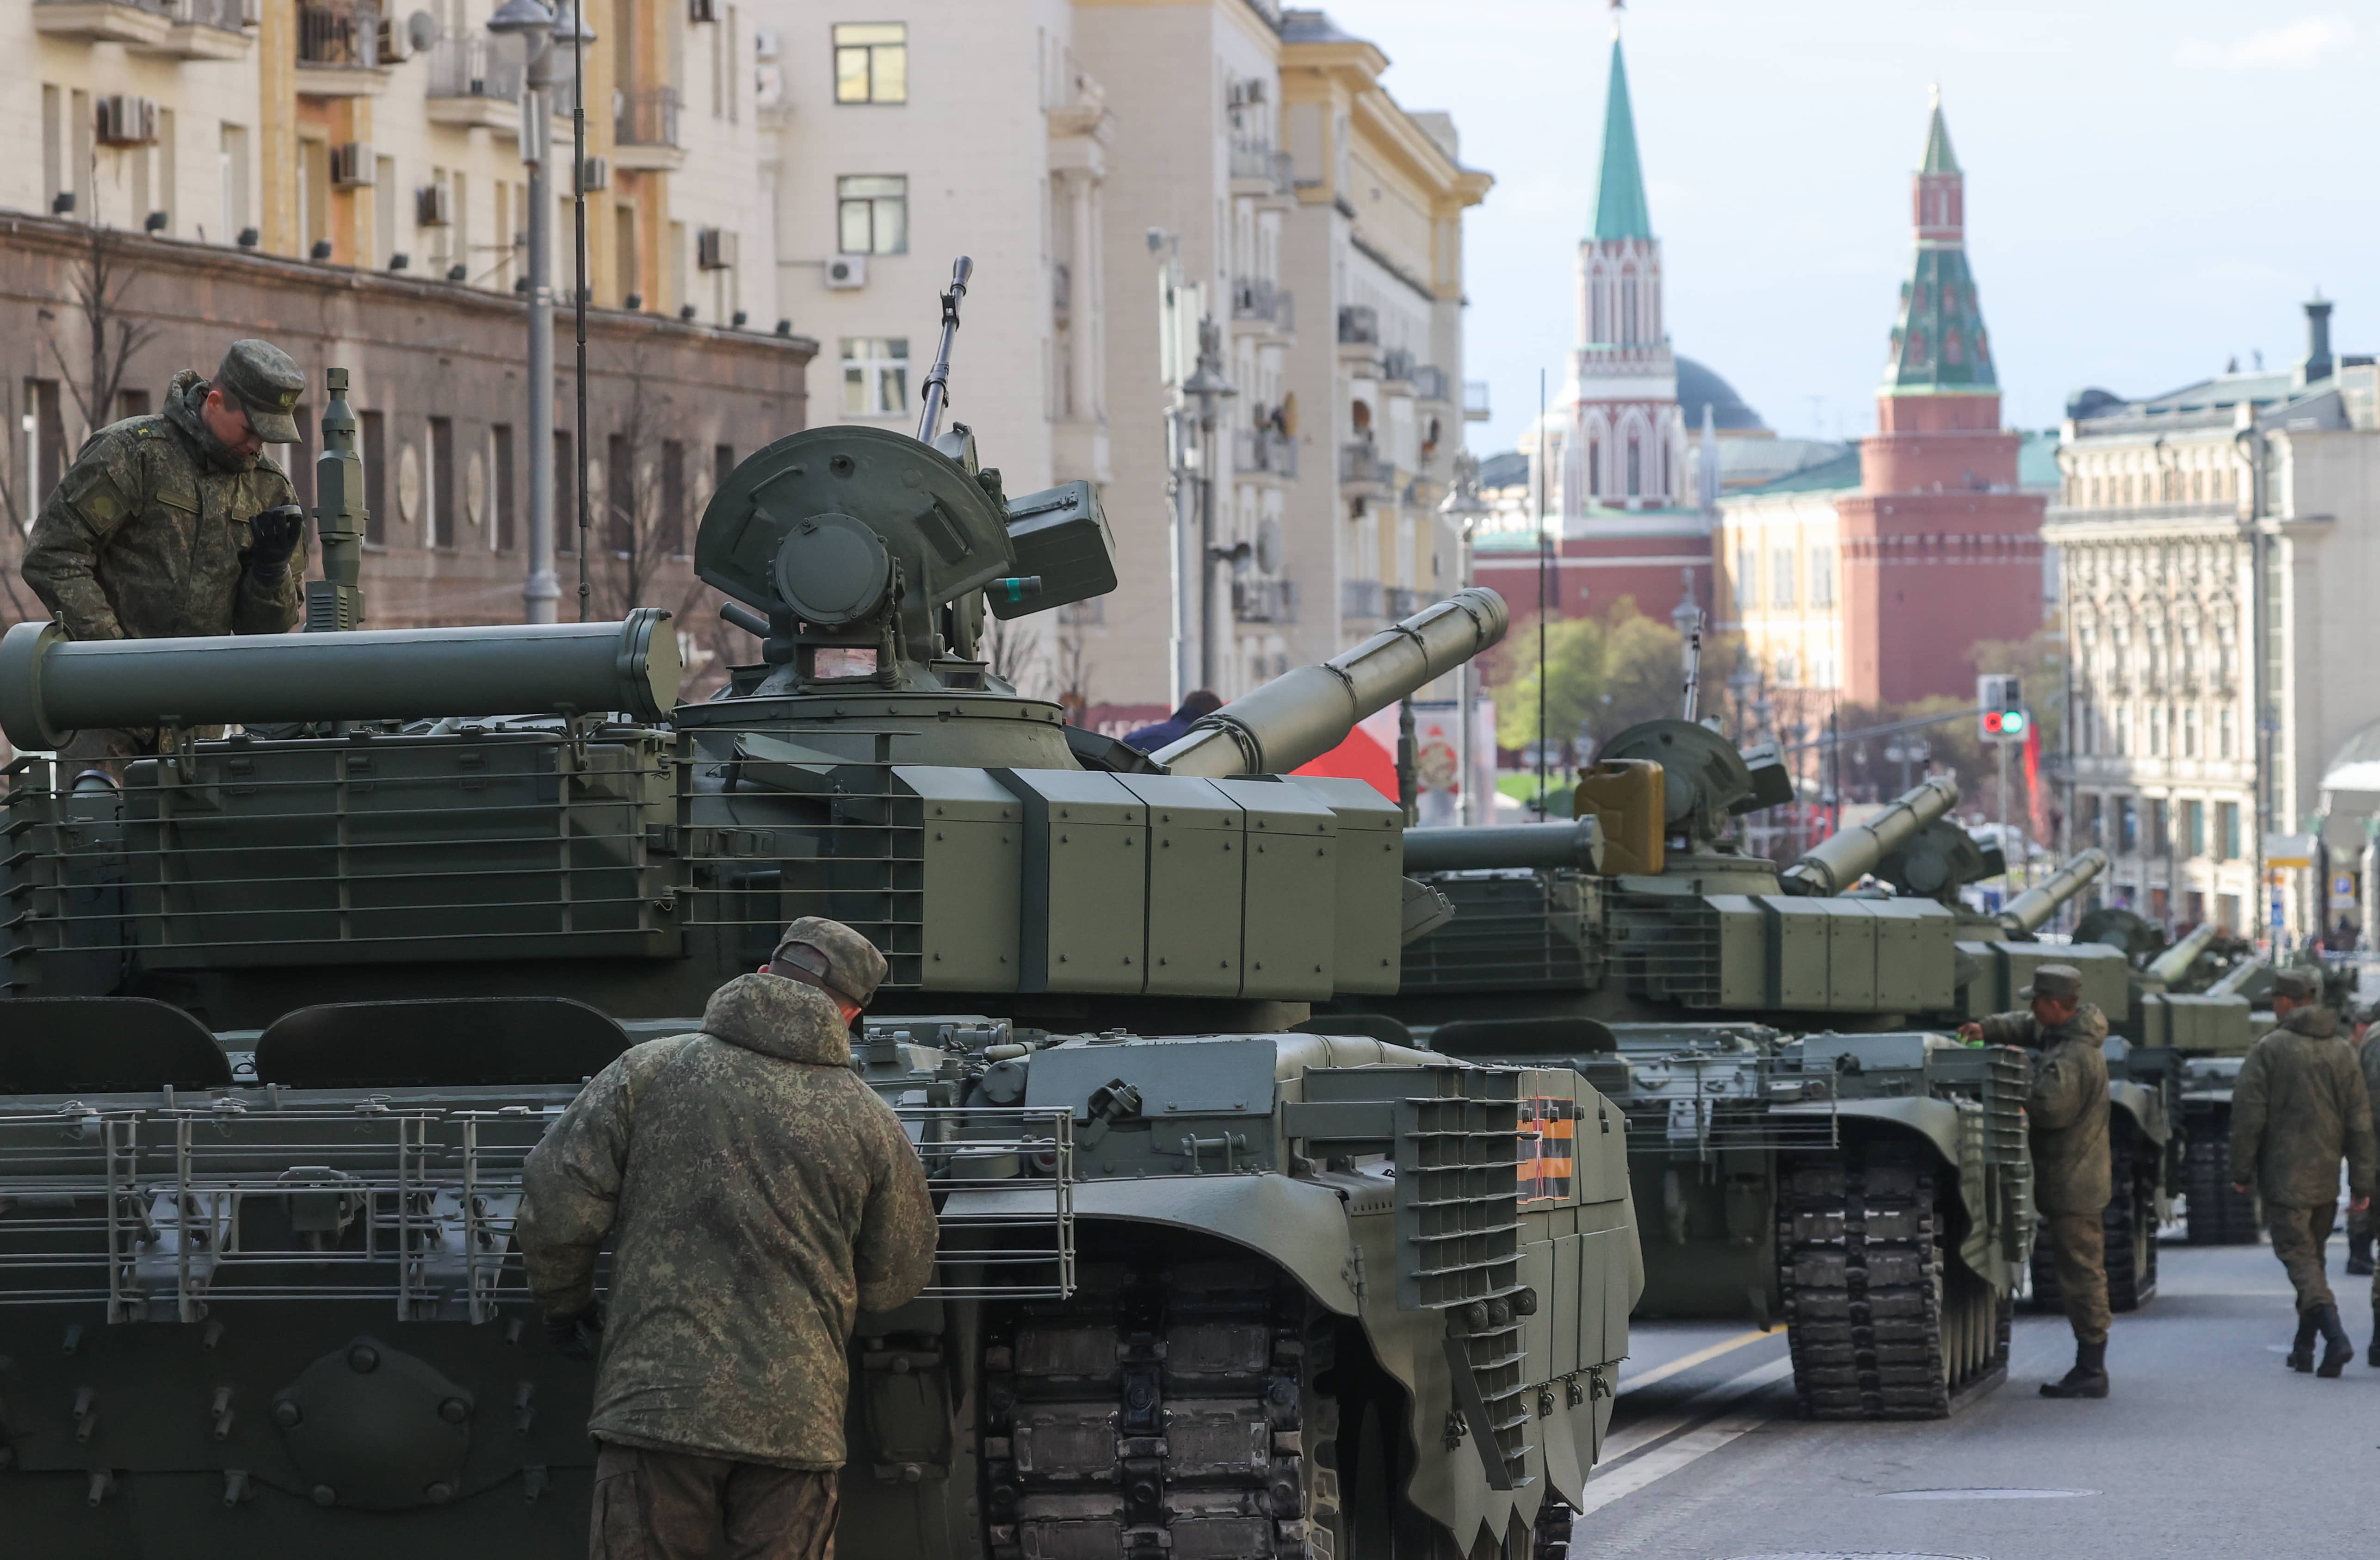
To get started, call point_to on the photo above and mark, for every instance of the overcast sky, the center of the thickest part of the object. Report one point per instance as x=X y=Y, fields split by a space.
x=2153 y=186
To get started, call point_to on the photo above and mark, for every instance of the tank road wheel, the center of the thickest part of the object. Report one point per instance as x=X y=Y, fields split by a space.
x=1175 y=1410
x=2217 y=1214
x=1880 y=1323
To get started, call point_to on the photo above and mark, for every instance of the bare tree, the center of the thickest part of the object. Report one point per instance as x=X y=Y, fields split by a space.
x=1070 y=656
x=111 y=336
x=1015 y=650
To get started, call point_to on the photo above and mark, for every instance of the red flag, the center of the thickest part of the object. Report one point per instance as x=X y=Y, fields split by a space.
x=2034 y=797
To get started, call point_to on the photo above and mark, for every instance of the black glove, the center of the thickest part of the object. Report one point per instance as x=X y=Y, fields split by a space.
x=579 y=1333
x=276 y=531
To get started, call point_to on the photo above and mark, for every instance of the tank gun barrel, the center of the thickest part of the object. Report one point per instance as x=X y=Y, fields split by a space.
x=1852 y=853
x=1546 y=847
x=1304 y=713
x=2237 y=976
x=2175 y=962
x=938 y=378
x=51 y=686
x=2031 y=908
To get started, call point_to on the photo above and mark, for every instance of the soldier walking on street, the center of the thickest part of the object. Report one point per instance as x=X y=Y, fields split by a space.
x=2359 y=1224
x=2067 y=1110
x=175 y=524
x=759 y=1196
x=2300 y=1105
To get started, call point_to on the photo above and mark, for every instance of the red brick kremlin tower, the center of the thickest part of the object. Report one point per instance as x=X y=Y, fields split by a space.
x=1939 y=548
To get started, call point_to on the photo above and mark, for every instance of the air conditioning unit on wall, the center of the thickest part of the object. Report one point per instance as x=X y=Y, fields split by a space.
x=351 y=164
x=714 y=248
x=434 y=206
x=128 y=121
x=597 y=174
x=846 y=271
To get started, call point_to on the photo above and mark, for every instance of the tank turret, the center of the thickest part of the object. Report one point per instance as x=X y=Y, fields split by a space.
x=1851 y=852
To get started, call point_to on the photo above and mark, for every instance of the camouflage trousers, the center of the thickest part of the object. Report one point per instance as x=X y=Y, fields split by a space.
x=2298 y=1236
x=683 y=1505
x=2078 y=1250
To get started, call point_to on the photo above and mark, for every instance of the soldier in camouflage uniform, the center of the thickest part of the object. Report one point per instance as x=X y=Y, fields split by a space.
x=759 y=1196
x=2300 y=1105
x=2367 y=1030
x=2067 y=1110
x=177 y=524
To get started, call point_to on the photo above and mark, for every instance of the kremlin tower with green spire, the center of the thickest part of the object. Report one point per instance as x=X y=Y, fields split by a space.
x=1940 y=548
x=1624 y=439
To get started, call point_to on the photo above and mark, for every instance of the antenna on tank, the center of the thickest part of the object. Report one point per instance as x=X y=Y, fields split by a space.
x=938 y=378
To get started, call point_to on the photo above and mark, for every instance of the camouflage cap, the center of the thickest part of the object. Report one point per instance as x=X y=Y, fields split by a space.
x=829 y=955
x=266 y=381
x=2062 y=981
x=2298 y=985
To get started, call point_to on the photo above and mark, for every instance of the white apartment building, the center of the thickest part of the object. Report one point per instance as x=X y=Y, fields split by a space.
x=387 y=139
x=2218 y=544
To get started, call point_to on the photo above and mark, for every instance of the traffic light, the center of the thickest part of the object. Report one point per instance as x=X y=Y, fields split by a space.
x=1999 y=705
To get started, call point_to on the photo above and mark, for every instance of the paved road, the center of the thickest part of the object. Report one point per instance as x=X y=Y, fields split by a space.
x=2209 y=1447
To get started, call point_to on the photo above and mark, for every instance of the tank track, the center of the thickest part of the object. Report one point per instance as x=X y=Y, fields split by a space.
x=1169 y=1410
x=2130 y=1229
x=1880 y=1324
x=2216 y=1215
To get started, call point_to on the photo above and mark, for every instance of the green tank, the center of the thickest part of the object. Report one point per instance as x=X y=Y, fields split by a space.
x=282 y=1013
x=1801 y=1144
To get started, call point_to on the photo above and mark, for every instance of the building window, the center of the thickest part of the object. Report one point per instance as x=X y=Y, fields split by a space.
x=2127 y=825
x=2226 y=912
x=1744 y=596
x=501 y=450
x=2227 y=831
x=1781 y=578
x=620 y=473
x=1593 y=469
x=2193 y=829
x=566 y=495
x=871 y=62
x=2189 y=732
x=2093 y=829
x=2154 y=718
x=872 y=213
x=1822 y=577
x=371 y=432
x=1628 y=326
x=2226 y=731
x=441 y=482
x=1635 y=467
x=875 y=375
x=2160 y=832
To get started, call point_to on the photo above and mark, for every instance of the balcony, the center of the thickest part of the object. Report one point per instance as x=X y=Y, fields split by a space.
x=472 y=85
x=1359 y=598
x=170 y=28
x=1259 y=307
x=1262 y=451
x=1257 y=169
x=1398 y=601
x=1264 y=601
x=1359 y=326
x=1474 y=400
x=644 y=130
x=338 y=49
x=1431 y=384
x=1397 y=369
x=1362 y=472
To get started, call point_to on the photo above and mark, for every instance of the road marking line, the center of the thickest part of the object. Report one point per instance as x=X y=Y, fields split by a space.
x=1663 y=1372
x=1636 y=1437
x=1687 y=1449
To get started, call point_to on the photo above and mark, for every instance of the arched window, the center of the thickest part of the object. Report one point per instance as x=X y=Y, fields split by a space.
x=1635 y=468
x=1594 y=468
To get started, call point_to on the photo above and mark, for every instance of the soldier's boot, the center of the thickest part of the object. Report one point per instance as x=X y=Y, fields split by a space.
x=2337 y=1348
x=2302 y=1352
x=2374 y=1357
x=2359 y=1254
x=2089 y=1377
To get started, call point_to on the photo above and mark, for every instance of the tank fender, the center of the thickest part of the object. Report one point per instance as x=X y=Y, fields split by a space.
x=2145 y=1106
x=1935 y=1120
x=1298 y=1224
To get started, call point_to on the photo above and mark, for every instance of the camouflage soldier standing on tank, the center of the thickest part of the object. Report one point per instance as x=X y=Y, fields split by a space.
x=759 y=1196
x=2067 y=1110
x=2300 y=1106
x=175 y=524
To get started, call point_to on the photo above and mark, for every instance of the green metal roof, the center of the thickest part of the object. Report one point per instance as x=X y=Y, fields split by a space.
x=1939 y=345
x=1827 y=476
x=1620 y=209
x=1939 y=158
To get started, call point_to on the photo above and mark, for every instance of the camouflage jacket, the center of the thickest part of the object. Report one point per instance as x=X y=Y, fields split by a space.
x=147 y=535
x=2369 y=1056
x=759 y=1196
x=2299 y=1107
x=2067 y=1107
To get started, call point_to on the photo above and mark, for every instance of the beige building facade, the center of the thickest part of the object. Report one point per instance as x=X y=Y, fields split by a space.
x=2217 y=544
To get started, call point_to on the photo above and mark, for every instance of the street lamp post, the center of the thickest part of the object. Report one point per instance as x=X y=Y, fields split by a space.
x=539 y=31
x=1207 y=386
x=1463 y=510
